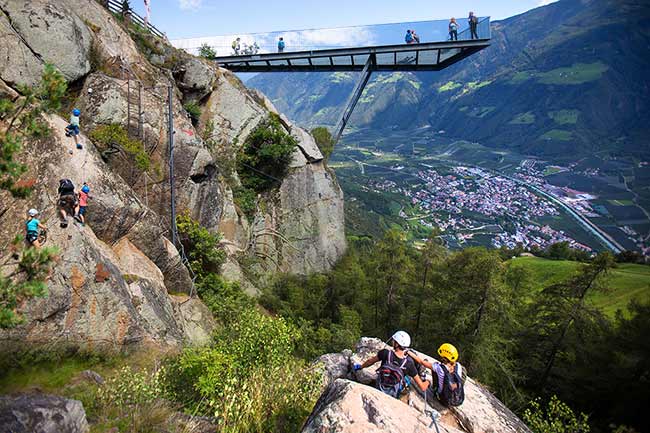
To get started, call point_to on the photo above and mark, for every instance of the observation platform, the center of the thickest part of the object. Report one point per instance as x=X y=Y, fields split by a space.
x=364 y=49
x=429 y=56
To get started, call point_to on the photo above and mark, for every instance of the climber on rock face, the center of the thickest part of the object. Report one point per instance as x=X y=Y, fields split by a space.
x=80 y=210
x=32 y=225
x=67 y=201
x=72 y=130
x=397 y=369
x=449 y=378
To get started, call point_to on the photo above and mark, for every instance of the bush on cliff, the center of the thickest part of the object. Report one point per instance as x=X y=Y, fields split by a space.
x=264 y=158
x=115 y=136
x=248 y=379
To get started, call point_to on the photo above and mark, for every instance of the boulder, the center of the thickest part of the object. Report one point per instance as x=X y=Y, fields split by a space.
x=53 y=32
x=195 y=319
x=311 y=218
x=134 y=263
x=42 y=414
x=349 y=407
x=19 y=65
x=195 y=77
x=335 y=366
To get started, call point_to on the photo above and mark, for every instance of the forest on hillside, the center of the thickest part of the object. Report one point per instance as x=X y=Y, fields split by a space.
x=522 y=341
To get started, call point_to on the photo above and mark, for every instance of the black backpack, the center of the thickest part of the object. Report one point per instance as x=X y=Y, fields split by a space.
x=390 y=376
x=450 y=397
x=66 y=187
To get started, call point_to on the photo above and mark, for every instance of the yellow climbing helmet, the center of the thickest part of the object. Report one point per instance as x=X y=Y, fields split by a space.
x=448 y=351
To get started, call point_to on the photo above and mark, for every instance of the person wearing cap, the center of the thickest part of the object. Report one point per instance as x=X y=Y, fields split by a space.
x=397 y=357
x=32 y=225
x=82 y=201
x=72 y=130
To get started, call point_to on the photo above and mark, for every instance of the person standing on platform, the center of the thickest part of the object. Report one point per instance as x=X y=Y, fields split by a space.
x=453 y=30
x=473 y=25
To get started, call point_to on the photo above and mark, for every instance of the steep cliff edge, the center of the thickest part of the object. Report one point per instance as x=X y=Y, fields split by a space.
x=112 y=281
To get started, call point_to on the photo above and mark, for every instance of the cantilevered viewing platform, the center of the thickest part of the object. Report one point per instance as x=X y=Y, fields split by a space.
x=364 y=49
x=431 y=56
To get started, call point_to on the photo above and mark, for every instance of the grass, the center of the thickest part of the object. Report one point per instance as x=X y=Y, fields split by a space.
x=450 y=85
x=42 y=375
x=627 y=281
x=557 y=134
x=578 y=73
x=551 y=170
x=565 y=117
x=621 y=202
x=523 y=119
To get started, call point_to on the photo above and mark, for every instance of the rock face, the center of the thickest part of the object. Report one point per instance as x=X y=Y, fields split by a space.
x=42 y=414
x=51 y=32
x=112 y=281
x=348 y=407
x=338 y=409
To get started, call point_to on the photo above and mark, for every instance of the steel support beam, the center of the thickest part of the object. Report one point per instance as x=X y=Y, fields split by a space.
x=356 y=94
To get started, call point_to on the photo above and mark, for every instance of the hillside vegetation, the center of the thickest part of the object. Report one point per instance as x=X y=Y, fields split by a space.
x=626 y=282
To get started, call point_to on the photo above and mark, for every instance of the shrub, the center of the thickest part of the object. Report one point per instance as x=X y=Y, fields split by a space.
x=264 y=159
x=246 y=200
x=202 y=246
x=248 y=379
x=207 y=52
x=557 y=417
x=194 y=111
x=113 y=135
x=324 y=141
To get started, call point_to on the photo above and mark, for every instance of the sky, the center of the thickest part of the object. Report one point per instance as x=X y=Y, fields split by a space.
x=197 y=18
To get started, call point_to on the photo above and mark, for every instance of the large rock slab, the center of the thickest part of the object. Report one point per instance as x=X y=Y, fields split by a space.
x=53 y=32
x=349 y=407
x=481 y=412
x=312 y=218
x=18 y=64
x=42 y=414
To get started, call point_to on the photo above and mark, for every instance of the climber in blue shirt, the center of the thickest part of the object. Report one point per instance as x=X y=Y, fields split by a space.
x=32 y=225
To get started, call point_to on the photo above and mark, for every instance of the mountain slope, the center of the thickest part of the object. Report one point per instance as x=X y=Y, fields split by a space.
x=570 y=75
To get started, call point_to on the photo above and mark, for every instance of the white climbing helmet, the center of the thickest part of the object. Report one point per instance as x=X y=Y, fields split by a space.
x=401 y=338
x=32 y=212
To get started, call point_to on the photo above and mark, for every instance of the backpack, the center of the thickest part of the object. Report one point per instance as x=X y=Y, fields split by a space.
x=234 y=44
x=281 y=44
x=474 y=20
x=390 y=377
x=66 y=187
x=450 y=397
x=408 y=38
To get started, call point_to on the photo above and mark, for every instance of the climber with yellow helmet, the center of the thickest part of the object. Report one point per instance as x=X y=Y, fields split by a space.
x=449 y=380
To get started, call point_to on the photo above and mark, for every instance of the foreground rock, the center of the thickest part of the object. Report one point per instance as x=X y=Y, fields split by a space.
x=349 y=407
x=41 y=414
x=481 y=412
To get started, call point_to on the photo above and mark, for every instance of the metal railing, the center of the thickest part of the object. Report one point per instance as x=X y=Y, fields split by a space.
x=115 y=6
x=335 y=38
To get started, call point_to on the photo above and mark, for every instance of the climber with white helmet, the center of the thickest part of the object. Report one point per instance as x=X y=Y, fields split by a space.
x=449 y=380
x=72 y=130
x=397 y=369
x=32 y=225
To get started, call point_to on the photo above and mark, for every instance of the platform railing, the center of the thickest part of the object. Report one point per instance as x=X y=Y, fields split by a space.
x=116 y=7
x=333 y=38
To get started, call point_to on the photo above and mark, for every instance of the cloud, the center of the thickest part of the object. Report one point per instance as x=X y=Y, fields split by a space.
x=189 y=4
x=545 y=2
